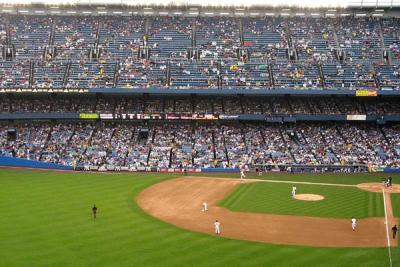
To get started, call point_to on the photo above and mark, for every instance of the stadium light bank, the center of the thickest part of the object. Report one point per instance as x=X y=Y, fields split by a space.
x=208 y=3
x=229 y=8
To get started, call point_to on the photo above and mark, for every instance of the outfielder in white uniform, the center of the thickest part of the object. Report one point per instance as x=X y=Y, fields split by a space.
x=353 y=223
x=217 y=227
x=242 y=176
x=205 y=206
x=294 y=188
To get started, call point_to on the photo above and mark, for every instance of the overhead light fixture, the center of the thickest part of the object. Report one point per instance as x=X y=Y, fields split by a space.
x=377 y=15
x=86 y=12
x=315 y=14
x=285 y=14
x=55 y=12
x=178 y=13
x=254 y=14
x=102 y=12
x=224 y=13
x=163 y=13
x=209 y=13
x=117 y=12
x=148 y=8
x=23 y=11
x=148 y=12
x=239 y=13
x=39 y=11
x=193 y=13
x=269 y=14
x=361 y=15
x=329 y=15
x=300 y=14
x=7 y=10
x=71 y=12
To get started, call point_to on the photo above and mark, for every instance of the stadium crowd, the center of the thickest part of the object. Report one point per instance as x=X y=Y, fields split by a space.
x=204 y=105
x=180 y=145
x=248 y=53
x=266 y=64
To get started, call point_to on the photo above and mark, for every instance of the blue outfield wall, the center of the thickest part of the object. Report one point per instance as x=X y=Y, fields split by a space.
x=17 y=162
x=393 y=170
x=220 y=169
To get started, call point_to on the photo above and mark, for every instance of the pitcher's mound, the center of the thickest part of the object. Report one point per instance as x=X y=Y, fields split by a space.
x=309 y=197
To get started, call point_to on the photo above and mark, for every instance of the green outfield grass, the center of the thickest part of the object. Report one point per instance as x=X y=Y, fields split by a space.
x=274 y=198
x=45 y=220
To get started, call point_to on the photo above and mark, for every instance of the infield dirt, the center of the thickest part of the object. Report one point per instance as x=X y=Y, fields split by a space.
x=179 y=202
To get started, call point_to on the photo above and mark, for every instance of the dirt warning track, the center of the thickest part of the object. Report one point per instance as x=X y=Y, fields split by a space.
x=178 y=201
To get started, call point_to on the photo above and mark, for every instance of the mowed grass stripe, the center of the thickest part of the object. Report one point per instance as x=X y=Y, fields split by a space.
x=339 y=202
x=46 y=221
x=239 y=191
x=396 y=205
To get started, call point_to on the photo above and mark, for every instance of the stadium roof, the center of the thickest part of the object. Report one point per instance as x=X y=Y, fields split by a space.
x=218 y=3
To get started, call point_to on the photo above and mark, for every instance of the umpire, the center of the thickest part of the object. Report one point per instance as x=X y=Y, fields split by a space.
x=394 y=230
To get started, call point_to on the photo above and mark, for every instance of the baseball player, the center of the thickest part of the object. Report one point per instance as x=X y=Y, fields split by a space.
x=294 y=188
x=353 y=223
x=394 y=231
x=217 y=227
x=242 y=176
x=94 y=210
x=205 y=206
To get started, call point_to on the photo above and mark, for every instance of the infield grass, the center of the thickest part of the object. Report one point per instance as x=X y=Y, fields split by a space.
x=396 y=205
x=45 y=220
x=274 y=198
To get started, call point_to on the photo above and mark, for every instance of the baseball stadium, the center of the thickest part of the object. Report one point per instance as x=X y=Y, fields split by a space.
x=199 y=133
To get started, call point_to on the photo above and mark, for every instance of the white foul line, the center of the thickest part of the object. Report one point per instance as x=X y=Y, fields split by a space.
x=387 y=229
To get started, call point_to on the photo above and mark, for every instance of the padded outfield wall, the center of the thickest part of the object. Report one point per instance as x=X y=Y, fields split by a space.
x=25 y=163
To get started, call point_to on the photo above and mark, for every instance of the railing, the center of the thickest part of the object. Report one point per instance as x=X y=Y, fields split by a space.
x=187 y=116
x=163 y=60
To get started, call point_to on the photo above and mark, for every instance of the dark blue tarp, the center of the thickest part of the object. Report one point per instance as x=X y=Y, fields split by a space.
x=17 y=162
x=396 y=170
x=220 y=170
